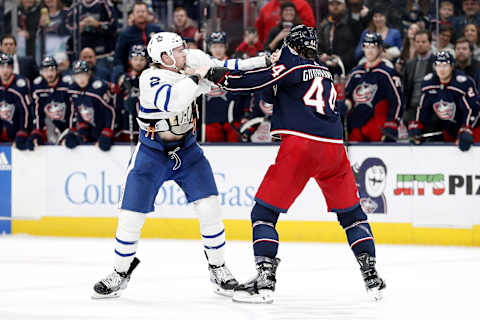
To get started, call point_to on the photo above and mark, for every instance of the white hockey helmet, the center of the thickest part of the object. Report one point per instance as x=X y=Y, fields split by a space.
x=164 y=42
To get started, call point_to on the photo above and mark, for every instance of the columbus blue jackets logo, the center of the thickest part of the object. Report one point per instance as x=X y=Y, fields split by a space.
x=371 y=178
x=445 y=110
x=87 y=114
x=55 y=110
x=364 y=93
x=217 y=93
x=7 y=111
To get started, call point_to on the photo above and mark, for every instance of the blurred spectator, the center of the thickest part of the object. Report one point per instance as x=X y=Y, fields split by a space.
x=28 y=21
x=359 y=16
x=24 y=66
x=269 y=16
x=445 y=15
x=444 y=41
x=138 y=33
x=415 y=71
x=415 y=11
x=88 y=54
x=250 y=46
x=55 y=34
x=94 y=114
x=52 y=110
x=336 y=37
x=280 y=31
x=14 y=104
x=471 y=10
x=408 y=47
x=183 y=25
x=470 y=32
x=392 y=39
x=465 y=60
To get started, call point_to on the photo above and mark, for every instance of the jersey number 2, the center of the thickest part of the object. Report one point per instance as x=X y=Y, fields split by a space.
x=314 y=96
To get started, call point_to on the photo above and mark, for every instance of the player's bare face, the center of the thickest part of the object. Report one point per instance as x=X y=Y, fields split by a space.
x=180 y=57
x=444 y=71
x=138 y=63
x=218 y=50
x=50 y=74
x=81 y=79
x=372 y=52
x=6 y=72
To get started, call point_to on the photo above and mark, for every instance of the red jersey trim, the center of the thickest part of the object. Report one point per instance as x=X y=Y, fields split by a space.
x=306 y=135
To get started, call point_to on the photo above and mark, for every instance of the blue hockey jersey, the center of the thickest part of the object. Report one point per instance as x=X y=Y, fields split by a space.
x=372 y=88
x=52 y=103
x=302 y=93
x=452 y=105
x=92 y=105
x=14 y=106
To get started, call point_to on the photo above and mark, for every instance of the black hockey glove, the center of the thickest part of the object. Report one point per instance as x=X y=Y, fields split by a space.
x=105 y=140
x=217 y=75
x=21 y=140
x=83 y=131
x=465 y=138
x=415 y=131
x=72 y=140
x=37 y=136
x=390 y=132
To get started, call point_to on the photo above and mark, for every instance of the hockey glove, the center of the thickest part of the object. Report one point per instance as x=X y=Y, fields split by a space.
x=415 y=131
x=83 y=131
x=390 y=131
x=37 y=137
x=72 y=140
x=217 y=75
x=105 y=139
x=465 y=138
x=21 y=140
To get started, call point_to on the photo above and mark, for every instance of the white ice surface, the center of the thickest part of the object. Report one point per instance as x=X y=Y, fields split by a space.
x=52 y=278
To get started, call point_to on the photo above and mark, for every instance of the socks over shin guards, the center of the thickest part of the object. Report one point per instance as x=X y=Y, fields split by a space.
x=126 y=238
x=265 y=236
x=359 y=233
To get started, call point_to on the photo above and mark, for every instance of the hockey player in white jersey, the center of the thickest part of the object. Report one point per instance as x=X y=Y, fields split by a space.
x=167 y=150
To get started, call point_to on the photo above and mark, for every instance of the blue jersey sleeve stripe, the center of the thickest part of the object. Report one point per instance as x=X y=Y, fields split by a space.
x=236 y=64
x=168 y=95
x=214 y=236
x=142 y=109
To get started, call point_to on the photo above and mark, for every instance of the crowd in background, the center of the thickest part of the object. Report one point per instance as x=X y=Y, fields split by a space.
x=115 y=56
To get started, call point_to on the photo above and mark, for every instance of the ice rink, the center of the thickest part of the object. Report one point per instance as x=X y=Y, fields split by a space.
x=52 y=278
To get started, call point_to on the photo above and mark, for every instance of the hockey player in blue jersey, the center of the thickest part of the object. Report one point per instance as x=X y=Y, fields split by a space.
x=304 y=116
x=94 y=114
x=51 y=103
x=374 y=96
x=14 y=104
x=449 y=102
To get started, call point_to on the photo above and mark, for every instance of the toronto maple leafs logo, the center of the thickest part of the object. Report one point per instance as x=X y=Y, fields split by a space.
x=364 y=93
x=371 y=178
x=7 y=111
x=159 y=38
x=87 y=114
x=55 y=110
x=445 y=110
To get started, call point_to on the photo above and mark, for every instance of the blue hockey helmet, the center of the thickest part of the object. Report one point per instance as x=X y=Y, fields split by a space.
x=6 y=59
x=444 y=57
x=217 y=37
x=48 y=62
x=373 y=38
x=80 y=66
x=137 y=50
x=304 y=40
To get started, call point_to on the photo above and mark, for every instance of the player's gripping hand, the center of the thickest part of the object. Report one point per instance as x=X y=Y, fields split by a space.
x=465 y=138
x=390 y=131
x=83 y=131
x=71 y=140
x=36 y=138
x=217 y=75
x=21 y=140
x=415 y=131
x=105 y=140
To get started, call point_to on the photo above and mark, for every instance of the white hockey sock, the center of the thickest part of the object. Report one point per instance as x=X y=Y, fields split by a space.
x=129 y=227
x=211 y=229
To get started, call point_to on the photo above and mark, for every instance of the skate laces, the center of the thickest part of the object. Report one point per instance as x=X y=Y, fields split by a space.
x=174 y=156
x=112 y=280
x=222 y=273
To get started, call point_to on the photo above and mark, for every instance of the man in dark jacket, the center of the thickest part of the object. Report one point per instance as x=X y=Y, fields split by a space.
x=24 y=66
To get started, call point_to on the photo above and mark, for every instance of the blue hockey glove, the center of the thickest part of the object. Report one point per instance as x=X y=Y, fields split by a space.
x=465 y=138
x=83 y=131
x=72 y=140
x=105 y=140
x=390 y=131
x=415 y=131
x=36 y=136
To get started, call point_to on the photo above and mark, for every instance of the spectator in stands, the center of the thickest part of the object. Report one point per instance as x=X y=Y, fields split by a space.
x=280 y=31
x=88 y=54
x=444 y=41
x=445 y=15
x=408 y=46
x=471 y=10
x=359 y=16
x=250 y=46
x=392 y=39
x=184 y=26
x=415 y=71
x=24 y=66
x=138 y=33
x=336 y=37
x=28 y=19
x=270 y=15
x=465 y=60
x=470 y=32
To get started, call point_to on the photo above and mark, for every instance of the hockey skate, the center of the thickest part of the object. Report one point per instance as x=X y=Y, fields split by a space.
x=373 y=283
x=259 y=289
x=113 y=284
x=222 y=279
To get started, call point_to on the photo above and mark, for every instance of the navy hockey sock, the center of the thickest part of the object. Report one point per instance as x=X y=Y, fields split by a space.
x=359 y=234
x=265 y=236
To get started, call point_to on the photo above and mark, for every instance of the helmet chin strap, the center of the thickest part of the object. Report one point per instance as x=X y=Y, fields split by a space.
x=174 y=65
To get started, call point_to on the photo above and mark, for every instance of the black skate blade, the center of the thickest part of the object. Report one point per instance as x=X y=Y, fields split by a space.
x=98 y=296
